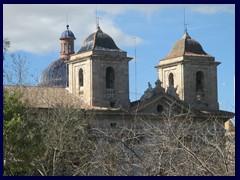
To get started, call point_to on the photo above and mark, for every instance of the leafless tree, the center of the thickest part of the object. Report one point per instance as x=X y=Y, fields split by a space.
x=165 y=144
x=16 y=71
x=67 y=140
x=6 y=46
x=170 y=145
x=16 y=68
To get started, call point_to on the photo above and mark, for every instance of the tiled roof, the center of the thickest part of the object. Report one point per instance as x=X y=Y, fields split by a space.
x=55 y=75
x=67 y=34
x=98 y=41
x=46 y=97
x=187 y=46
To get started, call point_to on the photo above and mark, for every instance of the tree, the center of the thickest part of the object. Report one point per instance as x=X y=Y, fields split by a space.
x=6 y=46
x=22 y=138
x=169 y=145
x=16 y=70
x=54 y=141
x=61 y=141
x=67 y=141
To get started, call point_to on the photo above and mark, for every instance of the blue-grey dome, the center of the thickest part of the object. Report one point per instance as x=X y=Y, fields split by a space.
x=67 y=34
x=98 y=41
x=55 y=75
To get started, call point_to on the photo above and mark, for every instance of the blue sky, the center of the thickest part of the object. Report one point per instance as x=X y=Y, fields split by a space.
x=35 y=35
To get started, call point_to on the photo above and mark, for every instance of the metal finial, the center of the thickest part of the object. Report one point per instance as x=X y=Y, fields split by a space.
x=67 y=21
x=185 y=28
x=97 y=21
x=97 y=18
x=185 y=25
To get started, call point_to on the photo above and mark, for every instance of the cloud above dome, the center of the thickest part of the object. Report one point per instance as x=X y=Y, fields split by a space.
x=33 y=31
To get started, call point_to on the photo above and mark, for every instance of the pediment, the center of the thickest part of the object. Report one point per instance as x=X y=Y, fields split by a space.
x=162 y=103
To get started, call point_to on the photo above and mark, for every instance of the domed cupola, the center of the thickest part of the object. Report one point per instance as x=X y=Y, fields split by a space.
x=67 y=43
x=98 y=41
x=55 y=75
x=67 y=34
x=187 y=46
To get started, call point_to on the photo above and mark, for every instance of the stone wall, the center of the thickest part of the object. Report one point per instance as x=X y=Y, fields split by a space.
x=94 y=65
x=184 y=73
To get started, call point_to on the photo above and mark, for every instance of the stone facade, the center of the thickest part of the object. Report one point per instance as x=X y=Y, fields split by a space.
x=98 y=78
x=194 y=74
x=100 y=75
x=94 y=91
x=184 y=72
x=180 y=113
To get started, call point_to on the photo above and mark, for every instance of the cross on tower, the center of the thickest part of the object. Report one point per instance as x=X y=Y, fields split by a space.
x=184 y=24
x=185 y=27
x=97 y=21
x=97 y=18
x=67 y=21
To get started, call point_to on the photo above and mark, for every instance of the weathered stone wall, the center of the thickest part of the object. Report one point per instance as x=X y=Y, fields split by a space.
x=120 y=94
x=94 y=91
x=184 y=72
x=85 y=91
x=210 y=99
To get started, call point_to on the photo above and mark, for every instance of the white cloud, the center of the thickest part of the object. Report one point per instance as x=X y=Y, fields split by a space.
x=37 y=28
x=212 y=8
x=121 y=39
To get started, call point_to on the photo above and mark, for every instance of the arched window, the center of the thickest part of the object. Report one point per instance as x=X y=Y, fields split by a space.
x=67 y=82
x=199 y=81
x=80 y=76
x=110 y=78
x=171 y=80
x=62 y=50
x=65 y=48
x=70 y=48
x=159 y=108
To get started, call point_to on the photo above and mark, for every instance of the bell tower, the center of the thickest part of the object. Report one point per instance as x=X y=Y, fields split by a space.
x=99 y=72
x=67 y=43
x=191 y=73
x=56 y=74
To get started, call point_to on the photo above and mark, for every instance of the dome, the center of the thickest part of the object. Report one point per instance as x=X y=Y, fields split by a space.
x=55 y=75
x=187 y=46
x=67 y=34
x=98 y=41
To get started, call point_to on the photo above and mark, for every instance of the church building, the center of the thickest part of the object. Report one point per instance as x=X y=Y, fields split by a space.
x=96 y=78
x=79 y=119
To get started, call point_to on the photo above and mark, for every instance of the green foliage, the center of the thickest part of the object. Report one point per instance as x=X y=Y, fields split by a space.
x=56 y=141
x=22 y=137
